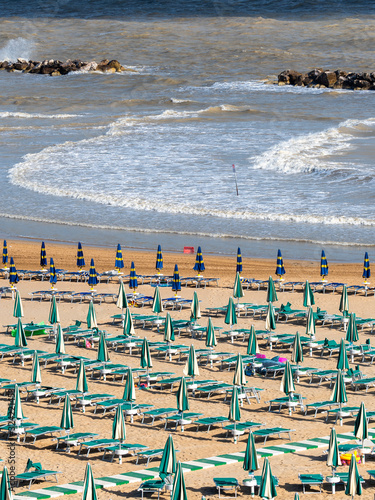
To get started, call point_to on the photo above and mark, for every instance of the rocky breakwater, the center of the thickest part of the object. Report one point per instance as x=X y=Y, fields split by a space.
x=319 y=78
x=56 y=68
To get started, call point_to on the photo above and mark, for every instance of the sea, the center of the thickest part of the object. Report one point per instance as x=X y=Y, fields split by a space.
x=146 y=156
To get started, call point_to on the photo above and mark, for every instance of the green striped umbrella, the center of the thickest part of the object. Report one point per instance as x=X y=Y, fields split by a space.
x=270 y=318
x=129 y=389
x=128 y=330
x=342 y=360
x=267 y=489
x=118 y=425
x=146 y=361
x=195 y=308
x=231 y=316
x=287 y=383
x=5 y=487
x=297 y=352
x=344 y=302
x=179 y=488
x=191 y=368
x=310 y=325
x=122 y=301
x=103 y=354
x=168 y=329
x=36 y=376
x=234 y=410
x=18 y=309
x=81 y=384
x=157 y=305
x=296 y=496
x=53 y=316
x=60 y=344
x=17 y=413
x=67 y=415
x=91 y=316
x=239 y=372
x=353 y=486
x=352 y=332
x=271 y=291
x=89 y=491
x=237 y=289
x=20 y=338
x=339 y=392
x=182 y=396
x=361 y=424
x=210 y=335
x=250 y=462
x=168 y=464
x=252 y=346
x=308 y=296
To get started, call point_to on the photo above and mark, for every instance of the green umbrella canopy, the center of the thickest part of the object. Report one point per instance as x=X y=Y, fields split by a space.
x=122 y=301
x=210 y=335
x=146 y=361
x=267 y=489
x=18 y=309
x=352 y=332
x=297 y=352
x=168 y=464
x=252 y=346
x=271 y=291
x=20 y=338
x=231 y=316
x=250 y=462
x=81 y=384
x=195 y=308
x=287 y=383
x=5 y=487
x=310 y=325
x=344 y=301
x=129 y=389
x=53 y=316
x=67 y=415
x=234 y=408
x=270 y=318
x=239 y=372
x=353 y=486
x=17 y=412
x=296 y=496
x=36 y=376
x=103 y=354
x=191 y=368
x=168 y=329
x=361 y=425
x=339 y=392
x=89 y=491
x=157 y=305
x=118 y=425
x=128 y=330
x=308 y=296
x=342 y=360
x=179 y=488
x=182 y=396
x=91 y=316
x=60 y=344
x=237 y=288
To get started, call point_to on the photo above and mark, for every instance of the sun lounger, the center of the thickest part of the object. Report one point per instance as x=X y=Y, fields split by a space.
x=210 y=422
x=364 y=382
x=241 y=427
x=152 y=486
x=343 y=476
x=326 y=375
x=181 y=419
x=245 y=393
x=36 y=432
x=292 y=403
x=96 y=444
x=224 y=484
x=291 y=286
x=153 y=376
x=149 y=455
x=41 y=392
x=74 y=439
x=218 y=388
x=272 y=431
x=371 y=473
x=309 y=480
x=37 y=474
x=340 y=413
x=157 y=413
x=122 y=449
x=320 y=405
x=258 y=480
x=90 y=399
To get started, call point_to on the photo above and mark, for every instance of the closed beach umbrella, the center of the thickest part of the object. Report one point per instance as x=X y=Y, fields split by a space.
x=81 y=384
x=5 y=487
x=191 y=368
x=339 y=392
x=271 y=291
x=239 y=372
x=333 y=458
x=122 y=301
x=176 y=282
x=119 y=261
x=237 y=288
x=352 y=332
x=128 y=324
x=43 y=256
x=18 y=309
x=36 y=376
x=342 y=360
x=296 y=496
x=231 y=316
x=80 y=258
x=361 y=424
x=118 y=425
x=103 y=354
x=287 y=383
x=250 y=462
x=60 y=344
x=252 y=346
x=93 y=277
x=168 y=329
x=323 y=266
x=133 y=282
x=91 y=316
x=195 y=313
x=353 y=486
x=199 y=264
x=52 y=273
x=129 y=389
x=270 y=318
x=310 y=325
x=17 y=413
x=182 y=399
x=239 y=261
x=344 y=302
x=210 y=335
x=13 y=276
x=297 y=352
x=89 y=490
x=157 y=305
x=67 y=415
x=179 y=488
x=5 y=254
x=146 y=361
x=234 y=410
x=20 y=338
x=280 y=270
x=53 y=316
x=366 y=269
x=168 y=464
x=267 y=489
x=308 y=296
x=159 y=260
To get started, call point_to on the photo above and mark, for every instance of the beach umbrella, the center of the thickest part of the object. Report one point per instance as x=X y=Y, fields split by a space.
x=18 y=309
x=195 y=313
x=179 y=488
x=43 y=256
x=353 y=486
x=20 y=338
x=308 y=296
x=366 y=268
x=271 y=291
x=36 y=376
x=267 y=489
x=344 y=302
x=159 y=260
x=352 y=332
x=146 y=361
x=270 y=318
x=333 y=458
x=176 y=283
x=103 y=354
x=119 y=261
x=5 y=486
x=250 y=462
x=296 y=496
x=91 y=316
x=157 y=305
x=239 y=261
x=168 y=329
x=210 y=335
x=5 y=254
x=231 y=316
x=129 y=389
x=122 y=301
x=13 y=276
x=323 y=266
x=133 y=282
x=93 y=277
x=280 y=270
x=118 y=425
x=342 y=360
x=81 y=384
x=252 y=346
x=297 y=352
x=168 y=464
x=237 y=288
x=80 y=258
x=67 y=415
x=339 y=392
x=287 y=383
x=60 y=344
x=52 y=273
x=199 y=264
x=128 y=324
x=182 y=400
x=53 y=316
x=89 y=490
x=17 y=413
x=310 y=324
x=361 y=424
x=234 y=410
x=191 y=368
x=239 y=372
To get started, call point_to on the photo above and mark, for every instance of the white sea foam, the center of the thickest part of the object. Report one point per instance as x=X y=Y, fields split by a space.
x=17 y=48
x=8 y=114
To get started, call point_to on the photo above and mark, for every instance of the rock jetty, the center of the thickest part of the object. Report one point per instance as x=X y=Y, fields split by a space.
x=56 y=68
x=319 y=78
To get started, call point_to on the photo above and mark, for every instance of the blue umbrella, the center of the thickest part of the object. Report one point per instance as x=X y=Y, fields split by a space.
x=52 y=273
x=133 y=282
x=176 y=283
x=280 y=270
x=13 y=276
x=199 y=264
x=93 y=277
x=159 y=260
x=5 y=253
x=43 y=256
x=119 y=262
x=366 y=268
x=80 y=259
x=239 y=261
x=323 y=266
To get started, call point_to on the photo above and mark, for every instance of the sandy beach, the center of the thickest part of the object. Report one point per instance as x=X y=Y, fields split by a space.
x=191 y=444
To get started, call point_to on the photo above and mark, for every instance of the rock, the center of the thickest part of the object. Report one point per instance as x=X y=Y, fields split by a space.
x=327 y=78
x=20 y=66
x=290 y=77
x=361 y=84
x=114 y=64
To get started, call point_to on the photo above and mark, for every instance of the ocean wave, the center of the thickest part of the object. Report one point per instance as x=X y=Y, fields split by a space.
x=17 y=48
x=9 y=114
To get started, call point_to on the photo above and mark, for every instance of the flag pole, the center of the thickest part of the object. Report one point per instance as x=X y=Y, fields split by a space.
x=235 y=177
